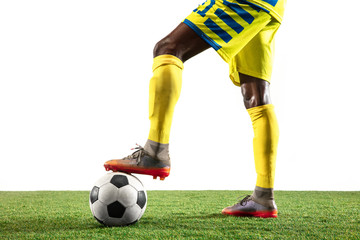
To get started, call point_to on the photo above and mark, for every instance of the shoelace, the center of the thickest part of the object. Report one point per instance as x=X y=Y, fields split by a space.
x=137 y=154
x=243 y=201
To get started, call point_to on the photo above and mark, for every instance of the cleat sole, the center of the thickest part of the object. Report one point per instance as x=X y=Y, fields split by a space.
x=162 y=173
x=260 y=214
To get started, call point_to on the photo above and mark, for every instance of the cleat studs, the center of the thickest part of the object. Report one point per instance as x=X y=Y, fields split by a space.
x=154 y=177
x=162 y=178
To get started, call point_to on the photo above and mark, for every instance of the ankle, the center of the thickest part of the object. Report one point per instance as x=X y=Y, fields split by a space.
x=264 y=196
x=157 y=150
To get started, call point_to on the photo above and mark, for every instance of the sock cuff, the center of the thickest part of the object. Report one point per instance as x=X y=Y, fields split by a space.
x=167 y=60
x=267 y=193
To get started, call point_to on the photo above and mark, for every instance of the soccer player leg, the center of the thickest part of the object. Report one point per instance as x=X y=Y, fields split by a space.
x=164 y=92
x=169 y=54
x=254 y=64
x=265 y=142
x=251 y=69
x=266 y=134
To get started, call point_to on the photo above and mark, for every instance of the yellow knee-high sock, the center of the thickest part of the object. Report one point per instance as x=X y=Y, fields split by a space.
x=165 y=87
x=266 y=136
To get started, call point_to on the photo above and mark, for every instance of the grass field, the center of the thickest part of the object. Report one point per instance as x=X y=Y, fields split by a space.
x=181 y=215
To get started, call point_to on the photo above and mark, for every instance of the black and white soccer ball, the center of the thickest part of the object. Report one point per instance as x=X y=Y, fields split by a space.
x=118 y=199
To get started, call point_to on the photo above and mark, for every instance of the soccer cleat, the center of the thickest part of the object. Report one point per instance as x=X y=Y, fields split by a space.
x=248 y=208
x=142 y=163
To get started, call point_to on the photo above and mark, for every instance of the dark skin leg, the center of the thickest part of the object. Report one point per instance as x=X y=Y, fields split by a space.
x=256 y=92
x=184 y=43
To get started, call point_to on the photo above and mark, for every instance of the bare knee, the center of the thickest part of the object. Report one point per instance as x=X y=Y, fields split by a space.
x=255 y=91
x=182 y=42
x=166 y=46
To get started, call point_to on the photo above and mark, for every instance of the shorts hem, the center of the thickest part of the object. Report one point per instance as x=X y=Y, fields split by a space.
x=234 y=76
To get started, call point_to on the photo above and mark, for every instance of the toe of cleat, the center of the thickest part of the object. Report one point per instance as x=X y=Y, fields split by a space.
x=109 y=168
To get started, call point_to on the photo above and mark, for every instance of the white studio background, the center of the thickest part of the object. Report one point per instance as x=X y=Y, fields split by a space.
x=74 y=93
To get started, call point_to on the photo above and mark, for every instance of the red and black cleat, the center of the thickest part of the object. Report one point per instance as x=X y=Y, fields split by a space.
x=140 y=162
x=248 y=208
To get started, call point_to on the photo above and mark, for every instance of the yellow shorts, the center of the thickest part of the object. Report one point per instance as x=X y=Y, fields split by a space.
x=241 y=33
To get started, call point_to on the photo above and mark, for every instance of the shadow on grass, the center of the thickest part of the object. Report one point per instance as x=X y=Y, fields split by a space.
x=205 y=216
x=48 y=224
x=87 y=224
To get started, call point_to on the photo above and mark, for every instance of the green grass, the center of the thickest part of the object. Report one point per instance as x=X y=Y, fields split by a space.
x=181 y=215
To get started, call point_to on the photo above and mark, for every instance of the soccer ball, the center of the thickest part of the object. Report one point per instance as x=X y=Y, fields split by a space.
x=118 y=199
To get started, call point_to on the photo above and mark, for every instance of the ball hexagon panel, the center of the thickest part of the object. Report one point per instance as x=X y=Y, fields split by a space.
x=127 y=196
x=116 y=210
x=135 y=182
x=104 y=179
x=100 y=211
x=108 y=193
x=132 y=214
x=119 y=181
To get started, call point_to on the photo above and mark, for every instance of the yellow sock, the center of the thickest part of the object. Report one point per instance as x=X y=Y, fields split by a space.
x=165 y=87
x=266 y=136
